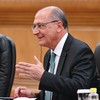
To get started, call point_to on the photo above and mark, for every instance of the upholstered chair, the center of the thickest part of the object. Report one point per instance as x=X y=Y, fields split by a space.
x=7 y=65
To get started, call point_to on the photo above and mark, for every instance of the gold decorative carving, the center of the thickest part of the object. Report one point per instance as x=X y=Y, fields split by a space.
x=21 y=12
x=34 y=5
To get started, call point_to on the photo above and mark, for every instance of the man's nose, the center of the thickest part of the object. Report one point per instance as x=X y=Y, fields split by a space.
x=36 y=31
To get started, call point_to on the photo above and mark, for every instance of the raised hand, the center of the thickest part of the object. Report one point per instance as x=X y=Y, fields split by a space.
x=33 y=71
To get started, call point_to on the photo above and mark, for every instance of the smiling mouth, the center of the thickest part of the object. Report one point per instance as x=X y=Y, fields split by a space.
x=40 y=37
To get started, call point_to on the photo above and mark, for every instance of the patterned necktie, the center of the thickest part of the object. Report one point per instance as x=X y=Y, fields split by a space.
x=48 y=94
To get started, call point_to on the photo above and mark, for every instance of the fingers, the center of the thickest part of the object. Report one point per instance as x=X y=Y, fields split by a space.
x=20 y=68
x=37 y=61
x=23 y=92
x=28 y=70
x=17 y=92
x=25 y=64
x=25 y=75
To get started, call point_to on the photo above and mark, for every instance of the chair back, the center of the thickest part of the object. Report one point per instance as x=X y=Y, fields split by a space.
x=7 y=65
x=97 y=61
x=97 y=58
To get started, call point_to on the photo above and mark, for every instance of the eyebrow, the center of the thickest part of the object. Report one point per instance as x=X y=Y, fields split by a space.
x=37 y=23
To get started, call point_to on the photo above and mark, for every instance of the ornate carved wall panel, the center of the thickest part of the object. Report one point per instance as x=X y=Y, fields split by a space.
x=67 y=5
x=80 y=12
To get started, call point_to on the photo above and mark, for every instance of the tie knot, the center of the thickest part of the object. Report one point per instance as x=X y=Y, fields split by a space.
x=53 y=56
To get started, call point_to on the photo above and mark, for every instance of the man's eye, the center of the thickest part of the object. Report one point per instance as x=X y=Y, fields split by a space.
x=34 y=26
x=40 y=25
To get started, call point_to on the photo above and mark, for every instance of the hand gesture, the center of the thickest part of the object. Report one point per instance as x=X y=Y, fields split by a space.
x=23 y=92
x=33 y=71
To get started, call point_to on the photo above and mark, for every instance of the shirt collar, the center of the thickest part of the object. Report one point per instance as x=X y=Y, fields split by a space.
x=60 y=45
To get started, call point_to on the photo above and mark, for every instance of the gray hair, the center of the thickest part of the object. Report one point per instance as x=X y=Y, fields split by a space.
x=57 y=14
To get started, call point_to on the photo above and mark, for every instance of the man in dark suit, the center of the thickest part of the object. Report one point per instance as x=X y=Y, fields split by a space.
x=74 y=61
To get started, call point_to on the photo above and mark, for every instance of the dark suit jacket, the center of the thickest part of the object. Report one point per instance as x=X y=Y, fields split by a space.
x=76 y=70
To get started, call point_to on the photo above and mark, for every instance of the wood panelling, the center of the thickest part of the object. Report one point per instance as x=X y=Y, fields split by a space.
x=16 y=18
x=88 y=34
x=26 y=43
x=34 y=5
x=77 y=19
x=21 y=12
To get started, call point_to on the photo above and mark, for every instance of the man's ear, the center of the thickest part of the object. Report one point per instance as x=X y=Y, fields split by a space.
x=59 y=26
x=58 y=30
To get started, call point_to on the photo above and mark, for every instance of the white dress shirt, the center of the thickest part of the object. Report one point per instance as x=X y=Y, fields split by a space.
x=58 y=51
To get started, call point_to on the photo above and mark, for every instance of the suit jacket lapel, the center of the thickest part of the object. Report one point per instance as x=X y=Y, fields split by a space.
x=46 y=60
x=64 y=54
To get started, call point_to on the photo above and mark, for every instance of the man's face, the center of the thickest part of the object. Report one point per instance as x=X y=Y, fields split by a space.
x=45 y=29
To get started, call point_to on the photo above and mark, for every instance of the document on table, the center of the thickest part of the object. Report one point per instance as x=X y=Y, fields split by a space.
x=24 y=98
